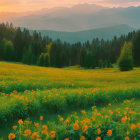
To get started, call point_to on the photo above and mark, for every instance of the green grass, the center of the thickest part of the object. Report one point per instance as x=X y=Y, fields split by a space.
x=23 y=77
x=27 y=91
x=95 y=118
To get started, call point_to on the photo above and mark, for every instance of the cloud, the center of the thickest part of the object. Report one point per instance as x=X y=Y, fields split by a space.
x=28 y=5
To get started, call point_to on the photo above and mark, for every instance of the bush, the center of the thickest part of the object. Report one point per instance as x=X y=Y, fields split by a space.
x=125 y=61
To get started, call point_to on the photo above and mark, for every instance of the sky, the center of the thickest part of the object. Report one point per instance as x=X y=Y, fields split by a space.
x=34 y=5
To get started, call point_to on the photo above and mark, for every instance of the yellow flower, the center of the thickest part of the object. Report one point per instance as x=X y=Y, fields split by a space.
x=14 y=127
x=127 y=138
x=109 y=133
x=82 y=138
x=20 y=122
x=27 y=132
x=41 y=118
x=99 y=131
x=75 y=126
x=45 y=127
x=98 y=138
x=52 y=134
x=11 y=136
x=84 y=128
x=133 y=126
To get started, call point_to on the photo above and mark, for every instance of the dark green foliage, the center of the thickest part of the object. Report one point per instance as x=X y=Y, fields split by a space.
x=46 y=60
x=89 y=60
x=28 y=57
x=100 y=63
x=125 y=60
x=19 y=45
x=40 y=61
x=6 y=50
x=136 y=49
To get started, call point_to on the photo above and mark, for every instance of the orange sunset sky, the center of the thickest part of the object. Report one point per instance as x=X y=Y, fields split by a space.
x=32 y=5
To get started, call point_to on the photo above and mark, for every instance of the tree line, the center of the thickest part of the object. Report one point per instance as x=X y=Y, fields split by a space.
x=20 y=45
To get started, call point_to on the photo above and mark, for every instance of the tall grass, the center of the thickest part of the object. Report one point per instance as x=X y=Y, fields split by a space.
x=22 y=105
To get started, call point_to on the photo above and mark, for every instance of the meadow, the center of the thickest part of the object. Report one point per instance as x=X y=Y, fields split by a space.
x=69 y=103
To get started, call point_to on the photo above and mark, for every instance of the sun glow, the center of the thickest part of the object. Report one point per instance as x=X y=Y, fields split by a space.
x=33 y=5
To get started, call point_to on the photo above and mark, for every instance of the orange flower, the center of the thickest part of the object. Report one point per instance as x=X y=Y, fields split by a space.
x=123 y=120
x=98 y=138
x=67 y=121
x=52 y=134
x=44 y=132
x=133 y=126
x=20 y=122
x=93 y=119
x=34 y=135
x=83 y=112
x=44 y=127
x=75 y=126
x=37 y=124
x=41 y=118
x=61 y=119
x=11 y=136
x=82 y=138
x=14 y=127
x=127 y=138
x=138 y=125
x=85 y=128
x=99 y=131
x=27 y=132
x=127 y=132
x=66 y=139
x=109 y=133
x=110 y=112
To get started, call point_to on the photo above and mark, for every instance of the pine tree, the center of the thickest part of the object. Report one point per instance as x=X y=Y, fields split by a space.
x=89 y=60
x=40 y=61
x=125 y=61
x=136 y=49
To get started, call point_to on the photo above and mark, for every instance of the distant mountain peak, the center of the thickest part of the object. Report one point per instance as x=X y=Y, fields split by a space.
x=79 y=17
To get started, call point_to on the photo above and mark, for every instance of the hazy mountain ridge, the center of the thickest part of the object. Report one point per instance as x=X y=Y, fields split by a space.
x=77 y=19
x=82 y=36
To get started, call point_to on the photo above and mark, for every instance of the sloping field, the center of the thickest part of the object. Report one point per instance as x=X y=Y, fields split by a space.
x=29 y=91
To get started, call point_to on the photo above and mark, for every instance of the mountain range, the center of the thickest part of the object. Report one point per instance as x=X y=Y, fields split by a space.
x=105 y=33
x=79 y=17
x=80 y=22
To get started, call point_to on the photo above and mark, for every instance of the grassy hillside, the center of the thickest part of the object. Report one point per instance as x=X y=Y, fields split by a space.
x=31 y=92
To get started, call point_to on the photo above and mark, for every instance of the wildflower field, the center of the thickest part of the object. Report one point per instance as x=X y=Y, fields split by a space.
x=68 y=104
